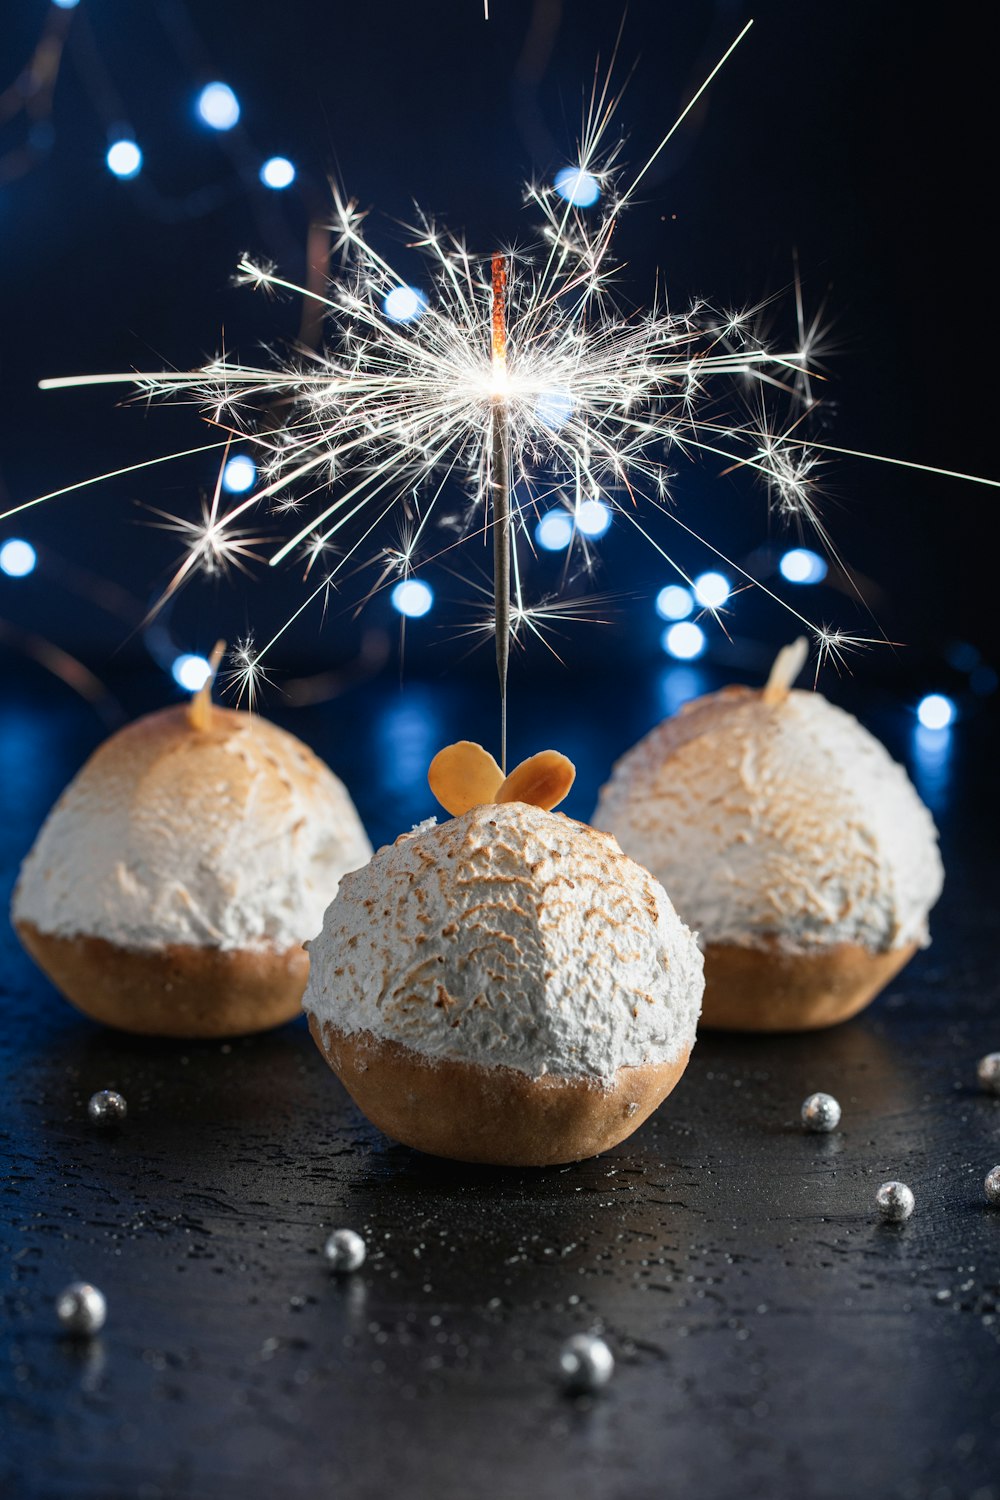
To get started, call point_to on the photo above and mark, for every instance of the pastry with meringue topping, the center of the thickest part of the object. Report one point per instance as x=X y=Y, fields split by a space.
x=173 y=884
x=790 y=840
x=507 y=986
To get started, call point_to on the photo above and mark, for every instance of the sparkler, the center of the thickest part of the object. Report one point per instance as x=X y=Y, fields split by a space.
x=500 y=488
x=519 y=378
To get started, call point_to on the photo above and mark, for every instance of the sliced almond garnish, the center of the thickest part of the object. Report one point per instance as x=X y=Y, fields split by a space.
x=199 y=710
x=542 y=779
x=787 y=665
x=464 y=775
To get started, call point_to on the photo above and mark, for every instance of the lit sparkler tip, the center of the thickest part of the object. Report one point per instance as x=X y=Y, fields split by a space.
x=499 y=313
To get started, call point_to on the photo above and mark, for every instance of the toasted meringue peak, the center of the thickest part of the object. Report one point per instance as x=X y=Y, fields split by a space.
x=509 y=936
x=231 y=834
x=777 y=821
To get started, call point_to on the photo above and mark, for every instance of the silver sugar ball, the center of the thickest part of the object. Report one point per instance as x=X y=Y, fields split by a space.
x=585 y=1363
x=895 y=1202
x=821 y=1113
x=991 y=1187
x=345 y=1250
x=988 y=1073
x=81 y=1308
x=106 y=1108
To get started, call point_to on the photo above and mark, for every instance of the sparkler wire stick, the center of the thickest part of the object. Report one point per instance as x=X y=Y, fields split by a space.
x=500 y=486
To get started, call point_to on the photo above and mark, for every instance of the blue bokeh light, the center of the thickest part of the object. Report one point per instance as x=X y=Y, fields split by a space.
x=239 y=474
x=404 y=303
x=218 y=106
x=685 y=640
x=712 y=590
x=935 y=711
x=277 y=172
x=802 y=565
x=677 y=686
x=66 y=4
x=674 y=602
x=554 y=531
x=17 y=558
x=554 y=409
x=124 y=158
x=577 y=186
x=593 y=518
x=412 y=597
x=191 y=672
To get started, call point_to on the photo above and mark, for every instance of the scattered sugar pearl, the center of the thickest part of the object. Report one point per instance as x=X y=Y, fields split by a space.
x=106 y=1108
x=895 y=1202
x=81 y=1308
x=988 y=1073
x=991 y=1187
x=345 y=1251
x=820 y=1113
x=585 y=1363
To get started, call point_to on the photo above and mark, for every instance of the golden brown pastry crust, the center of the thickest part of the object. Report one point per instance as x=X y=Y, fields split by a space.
x=176 y=991
x=769 y=989
x=495 y=1115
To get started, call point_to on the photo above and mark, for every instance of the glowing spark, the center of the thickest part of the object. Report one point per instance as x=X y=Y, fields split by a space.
x=212 y=546
x=521 y=380
x=82 y=484
x=539 y=620
x=245 y=676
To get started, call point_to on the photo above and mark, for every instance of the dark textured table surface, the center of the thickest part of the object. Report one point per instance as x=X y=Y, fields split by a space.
x=772 y=1337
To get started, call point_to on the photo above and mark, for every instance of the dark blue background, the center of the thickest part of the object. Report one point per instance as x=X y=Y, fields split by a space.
x=788 y=1343
x=859 y=135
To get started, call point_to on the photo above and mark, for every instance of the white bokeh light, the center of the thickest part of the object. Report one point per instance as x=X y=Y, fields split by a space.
x=593 y=518
x=124 y=158
x=578 y=187
x=801 y=565
x=190 y=672
x=404 y=303
x=935 y=711
x=685 y=640
x=240 y=474
x=218 y=106
x=277 y=172
x=17 y=558
x=554 y=531
x=674 y=602
x=412 y=597
x=554 y=409
x=712 y=590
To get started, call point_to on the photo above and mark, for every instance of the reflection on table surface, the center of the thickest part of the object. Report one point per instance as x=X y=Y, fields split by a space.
x=770 y=1333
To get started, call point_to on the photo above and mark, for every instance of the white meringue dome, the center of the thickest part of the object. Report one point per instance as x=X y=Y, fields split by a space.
x=506 y=987
x=173 y=884
x=231 y=837
x=509 y=937
x=778 y=823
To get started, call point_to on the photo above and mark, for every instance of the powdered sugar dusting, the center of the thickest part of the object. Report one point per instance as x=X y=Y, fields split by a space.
x=510 y=936
x=231 y=838
x=784 y=821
